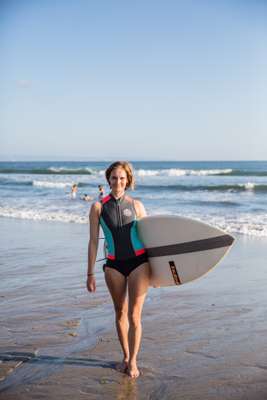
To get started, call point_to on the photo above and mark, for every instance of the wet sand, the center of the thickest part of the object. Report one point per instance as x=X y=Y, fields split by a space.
x=203 y=340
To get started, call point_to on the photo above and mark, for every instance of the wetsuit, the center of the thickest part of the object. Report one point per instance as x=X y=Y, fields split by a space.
x=119 y=223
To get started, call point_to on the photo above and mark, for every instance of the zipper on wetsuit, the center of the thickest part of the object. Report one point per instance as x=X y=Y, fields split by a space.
x=119 y=214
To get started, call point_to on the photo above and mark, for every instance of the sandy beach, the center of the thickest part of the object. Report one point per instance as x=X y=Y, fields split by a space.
x=104 y=103
x=203 y=340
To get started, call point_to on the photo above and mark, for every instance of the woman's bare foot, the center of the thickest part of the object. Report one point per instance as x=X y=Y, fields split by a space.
x=122 y=366
x=133 y=371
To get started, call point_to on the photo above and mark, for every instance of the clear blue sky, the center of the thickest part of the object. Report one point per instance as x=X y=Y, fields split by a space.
x=167 y=80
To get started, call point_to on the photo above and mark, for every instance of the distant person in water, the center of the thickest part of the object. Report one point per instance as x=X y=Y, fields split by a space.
x=74 y=190
x=86 y=197
x=101 y=192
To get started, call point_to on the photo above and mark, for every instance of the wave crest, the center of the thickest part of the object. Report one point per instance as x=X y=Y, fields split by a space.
x=181 y=172
x=47 y=184
x=249 y=186
x=42 y=215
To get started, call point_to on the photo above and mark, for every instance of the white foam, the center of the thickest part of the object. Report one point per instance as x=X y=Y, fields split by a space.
x=246 y=224
x=181 y=172
x=49 y=184
x=210 y=172
x=249 y=185
x=42 y=215
x=70 y=170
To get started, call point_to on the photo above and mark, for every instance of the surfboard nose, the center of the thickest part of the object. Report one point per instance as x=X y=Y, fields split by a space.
x=181 y=249
x=231 y=239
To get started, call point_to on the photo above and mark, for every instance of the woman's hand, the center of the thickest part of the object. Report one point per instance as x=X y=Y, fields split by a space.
x=91 y=284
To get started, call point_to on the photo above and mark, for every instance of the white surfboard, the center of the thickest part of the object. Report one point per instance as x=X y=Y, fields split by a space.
x=181 y=249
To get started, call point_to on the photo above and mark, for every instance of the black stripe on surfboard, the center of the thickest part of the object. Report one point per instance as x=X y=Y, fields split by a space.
x=190 y=247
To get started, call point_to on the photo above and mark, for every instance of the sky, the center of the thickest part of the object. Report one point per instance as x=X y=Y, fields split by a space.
x=139 y=80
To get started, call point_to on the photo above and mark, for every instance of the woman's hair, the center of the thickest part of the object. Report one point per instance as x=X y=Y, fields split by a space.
x=127 y=168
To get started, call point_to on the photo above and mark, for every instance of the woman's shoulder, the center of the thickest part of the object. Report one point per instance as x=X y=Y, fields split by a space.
x=134 y=200
x=96 y=207
x=137 y=202
x=139 y=207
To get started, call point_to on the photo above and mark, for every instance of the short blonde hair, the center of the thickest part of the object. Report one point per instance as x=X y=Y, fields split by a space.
x=127 y=168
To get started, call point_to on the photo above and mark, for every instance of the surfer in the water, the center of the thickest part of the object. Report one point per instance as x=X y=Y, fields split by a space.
x=74 y=190
x=126 y=269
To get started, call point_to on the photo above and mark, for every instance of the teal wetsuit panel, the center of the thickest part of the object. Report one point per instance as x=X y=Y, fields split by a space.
x=108 y=237
x=136 y=242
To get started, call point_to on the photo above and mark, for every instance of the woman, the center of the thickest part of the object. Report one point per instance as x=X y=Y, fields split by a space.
x=127 y=268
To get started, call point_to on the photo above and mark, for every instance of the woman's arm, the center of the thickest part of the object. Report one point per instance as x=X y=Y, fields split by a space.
x=93 y=244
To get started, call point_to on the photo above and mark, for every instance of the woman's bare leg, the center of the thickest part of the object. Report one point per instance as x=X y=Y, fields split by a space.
x=117 y=285
x=138 y=283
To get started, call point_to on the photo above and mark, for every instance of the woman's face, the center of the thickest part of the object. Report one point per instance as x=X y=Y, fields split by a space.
x=118 y=179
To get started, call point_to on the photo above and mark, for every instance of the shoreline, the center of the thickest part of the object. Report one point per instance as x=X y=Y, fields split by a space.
x=203 y=340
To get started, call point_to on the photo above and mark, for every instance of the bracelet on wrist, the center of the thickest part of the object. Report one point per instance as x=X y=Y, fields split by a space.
x=90 y=274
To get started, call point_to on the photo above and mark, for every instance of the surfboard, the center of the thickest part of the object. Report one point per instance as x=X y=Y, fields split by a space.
x=181 y=249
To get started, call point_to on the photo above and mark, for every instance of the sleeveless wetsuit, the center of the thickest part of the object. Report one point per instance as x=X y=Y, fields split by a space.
x=119 y=223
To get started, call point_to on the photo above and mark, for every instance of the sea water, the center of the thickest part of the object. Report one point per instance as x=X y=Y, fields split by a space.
x=228 y=194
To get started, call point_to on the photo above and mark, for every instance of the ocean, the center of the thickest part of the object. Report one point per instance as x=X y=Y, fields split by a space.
x=228 y=194
x=209 y=334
